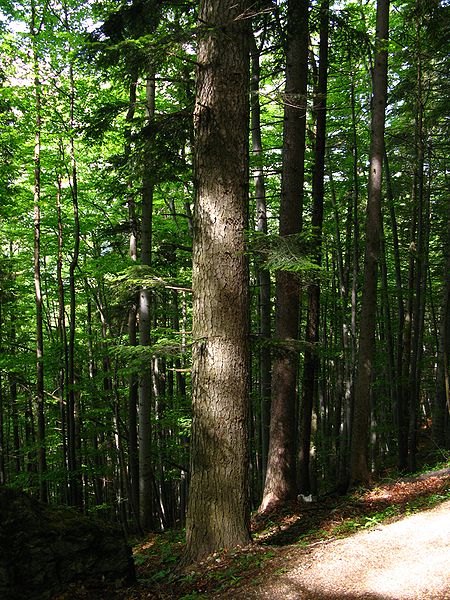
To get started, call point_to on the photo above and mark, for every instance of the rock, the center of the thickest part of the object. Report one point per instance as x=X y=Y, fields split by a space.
x=44 y=549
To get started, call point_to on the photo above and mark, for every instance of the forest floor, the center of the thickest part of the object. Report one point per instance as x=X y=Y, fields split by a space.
x=391 y=541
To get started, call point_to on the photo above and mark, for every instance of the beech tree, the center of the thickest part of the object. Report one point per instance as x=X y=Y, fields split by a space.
x=359 y=447
x=145 y=380
x=311 y=357
x=280 y=483
x=262 y=274
x=441 y=406
x=42 y=467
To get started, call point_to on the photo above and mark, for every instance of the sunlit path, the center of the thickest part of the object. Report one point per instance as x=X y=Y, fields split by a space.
x=406 y=560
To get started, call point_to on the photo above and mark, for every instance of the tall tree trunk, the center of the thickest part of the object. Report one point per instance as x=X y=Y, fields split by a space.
x=97 y=480
x=2 y=408
x=311 y=359
x=441 y=405
x=218 y=506
x=14 y=411
x=73 y=442
x=343 y=383
x=280 y=484
x=63 y=354
x=350 y=366
x=181 y=394
x=400 y=405
x=42 y=462
x=2 y=436
x=263 y=275
x=133 y=391
x=387 y=330
x=359 y=444
x=145 y=375
x=420 y=272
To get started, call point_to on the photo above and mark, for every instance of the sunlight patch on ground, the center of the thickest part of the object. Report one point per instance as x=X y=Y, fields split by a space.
x=415 y=561
x=405 y=560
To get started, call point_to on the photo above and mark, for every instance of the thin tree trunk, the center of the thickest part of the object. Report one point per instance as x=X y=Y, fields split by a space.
x=64 y=366
x=311 y=358
x=2 y=434
x=280 y=484
x=133 y=392
x=441 y=405
x=343 y=383
x=97 y=480
x=359 y=445
x=388 y=335
x=12 y=382
x=181 y=394
x=420 y=272
x=73 y=442
x=145 y=375
x=350 y=367
x=400 y=405
x=42 y=461
x=263 y=275
x=30 y=436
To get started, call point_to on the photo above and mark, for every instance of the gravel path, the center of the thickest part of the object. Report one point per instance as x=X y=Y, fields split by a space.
x=405 y=560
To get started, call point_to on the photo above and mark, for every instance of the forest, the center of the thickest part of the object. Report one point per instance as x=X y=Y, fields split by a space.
x=224 y=254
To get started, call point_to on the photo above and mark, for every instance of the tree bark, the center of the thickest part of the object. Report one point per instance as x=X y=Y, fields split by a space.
x=63 y=355
x=359 y=472
x=311 y=358
x=12 y=381
x=262 y=274
x=145 y=375
x=133 y=392
x=2 y=435
x=280 y=484
x=419 y=256
x=441 y=405
x=400 y=404
x=41 y=453
x=218 y=507
x=74 y=443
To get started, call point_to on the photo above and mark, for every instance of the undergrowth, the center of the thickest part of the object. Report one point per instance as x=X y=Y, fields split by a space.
x=277 y=537
x=297 y=526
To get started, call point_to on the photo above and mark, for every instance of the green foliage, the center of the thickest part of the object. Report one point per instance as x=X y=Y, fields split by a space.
x=285 y=253
x=90 y=56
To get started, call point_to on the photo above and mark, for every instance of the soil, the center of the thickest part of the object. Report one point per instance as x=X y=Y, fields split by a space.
x=390 y=542
x=405 y=560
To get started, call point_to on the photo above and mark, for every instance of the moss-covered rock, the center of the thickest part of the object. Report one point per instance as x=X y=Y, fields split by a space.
x=44 y=549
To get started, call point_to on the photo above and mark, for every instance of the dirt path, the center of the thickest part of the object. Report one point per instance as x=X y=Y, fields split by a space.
x=405 y=560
